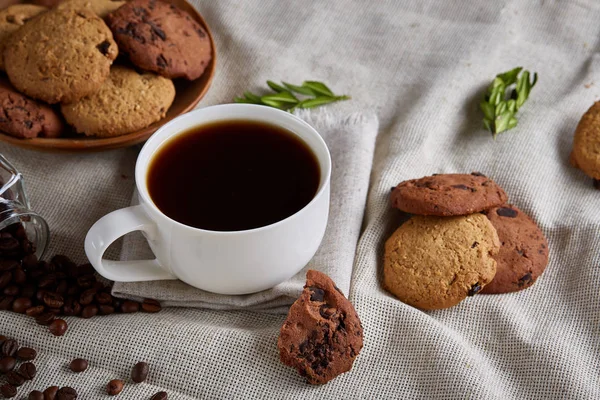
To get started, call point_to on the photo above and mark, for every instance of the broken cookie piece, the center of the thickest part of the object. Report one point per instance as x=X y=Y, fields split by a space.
x=322 y=334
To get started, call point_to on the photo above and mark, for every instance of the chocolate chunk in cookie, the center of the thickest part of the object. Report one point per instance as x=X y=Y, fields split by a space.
x=11 y=19
x=436 y=262
x=448 y=194
x=322 y=334
x=523 y=254
x=25 y=118
x=586 y=144
x=161 y=37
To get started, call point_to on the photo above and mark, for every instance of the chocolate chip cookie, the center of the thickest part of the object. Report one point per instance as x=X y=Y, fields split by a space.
x=101 y=7
x=322 y=334
x=448 y=194
x=436 y=262
x=26 y=118
x=127 y=101
x=11 y=19
x=523 y=252
x=586 y=144
x=60 y=55
x=161 y=37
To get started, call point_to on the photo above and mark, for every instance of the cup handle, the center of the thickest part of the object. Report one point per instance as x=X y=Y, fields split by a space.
x=111 y=227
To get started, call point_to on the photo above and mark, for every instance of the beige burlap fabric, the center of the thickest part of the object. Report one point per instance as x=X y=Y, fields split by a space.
x=421 y=66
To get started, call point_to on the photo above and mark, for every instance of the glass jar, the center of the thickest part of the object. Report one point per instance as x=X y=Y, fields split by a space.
x=17 y=220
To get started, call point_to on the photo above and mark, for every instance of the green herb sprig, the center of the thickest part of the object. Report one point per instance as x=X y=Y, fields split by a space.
x=502 y=100
x=289 y=97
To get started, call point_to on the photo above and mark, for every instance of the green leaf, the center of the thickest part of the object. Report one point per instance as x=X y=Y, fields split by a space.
x=276 y=104
x=502 y=121
x=243 y=100
x=500 y=108
x=285 y=97
x=319 y=88
x=299 y=89
x=511 y=105
x=488 y=109
x=319 y=101
x=510 y=77
x=252 y=97
x=276 y=87
x=488 y=125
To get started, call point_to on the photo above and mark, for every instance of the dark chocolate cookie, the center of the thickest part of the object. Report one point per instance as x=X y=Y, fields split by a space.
x=322 y=334
x=162 y=38
x=523 y=252
x=25 y=118
x=448 y=194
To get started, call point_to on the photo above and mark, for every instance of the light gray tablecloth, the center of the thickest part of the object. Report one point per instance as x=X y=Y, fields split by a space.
x=421 y=66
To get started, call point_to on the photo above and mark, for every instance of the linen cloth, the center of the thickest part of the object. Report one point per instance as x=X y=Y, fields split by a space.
x=351 y=140
x=422 y=67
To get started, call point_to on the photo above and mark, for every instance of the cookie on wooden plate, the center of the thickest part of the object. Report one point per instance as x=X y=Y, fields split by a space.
x=25 y=118
x=160 y=37
x=11 y=19
x=60 y=55
x=322 y=334
x=126 y=102
x=101 y=7
x=586 y=144
x=448 y=194
x=523 y=252
x=436 y=262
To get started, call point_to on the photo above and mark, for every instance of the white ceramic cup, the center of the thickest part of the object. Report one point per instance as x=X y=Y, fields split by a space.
x=221 y=262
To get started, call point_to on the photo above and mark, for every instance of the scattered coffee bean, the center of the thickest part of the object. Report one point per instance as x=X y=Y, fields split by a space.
x=26 y=354
x=159 y=396
x=14 y=378
x=50 y=393
x=19 y=276
x=34 y=311
x=87 y=297
x=103 y=298
x=45 y=318
x=105 y=309
x=89 y=311
x=66 y=393
x=21 y=305
x=7 y=364
x=8 y=391
x=9 y=348
x=12 y=290
x=5 y=279
x=53 y=300
x=151 y=306
x=35 y=395
x=58 y=327
x=139 y=373
x=6 y=302
x=78 y=365
x=27 y=370
x=129 y=306
x=114 y=387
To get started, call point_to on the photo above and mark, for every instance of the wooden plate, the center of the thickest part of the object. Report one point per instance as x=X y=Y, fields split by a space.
x=187 y=96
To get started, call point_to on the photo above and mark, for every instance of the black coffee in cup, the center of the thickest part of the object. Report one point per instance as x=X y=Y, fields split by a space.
x=233 y=175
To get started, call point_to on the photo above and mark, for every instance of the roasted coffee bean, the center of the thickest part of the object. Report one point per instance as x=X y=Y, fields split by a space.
x=151 y=306
x=39 y=295
x=66 y=393
x=19 y=276
x=45 y=318
x=62 y=262
x=6 y=302
x=129 y=306
x=62 y=287
x=28 y=290
x=12 y=290
x=139 y=373
x=159 y=396
x=35 y=395
x=89 y=311
x=86 y=281
x=53 y=300
x=103 y=298
x=27 y=370
x=55 y=311
x=9 y=347
x=47 y=281
x=35 y=274
x=8 y=265
x=114 y=387
x=14 y=378
x=5 y=279
x=8 y=391
x=87 y=297
x=78 y=365
x=30 y=261
x=26 y=354
x=105 y=310
x=8 y=244
x=72 y=309
x=7 y=364
x=98 y=286
x=73 y=290
x=21 y=305
x=50 y=393
x=34 y=311
x=58 y=327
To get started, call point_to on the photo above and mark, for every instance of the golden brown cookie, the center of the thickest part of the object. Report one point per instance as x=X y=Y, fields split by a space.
x=436 y=262
x=322 y=334
x=161 y=37
x=101 y=7
x=448 y=194
x=586 y=144
x=11 y=19
x=46 y=3
x=126 y=102
x=60 y=55
x=523 y=252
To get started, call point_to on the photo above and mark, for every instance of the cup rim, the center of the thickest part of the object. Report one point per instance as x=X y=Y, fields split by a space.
x=160 y=135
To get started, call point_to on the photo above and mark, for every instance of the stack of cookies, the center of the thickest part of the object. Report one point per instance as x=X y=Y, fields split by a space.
x=60 y=61
x=462 y=239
